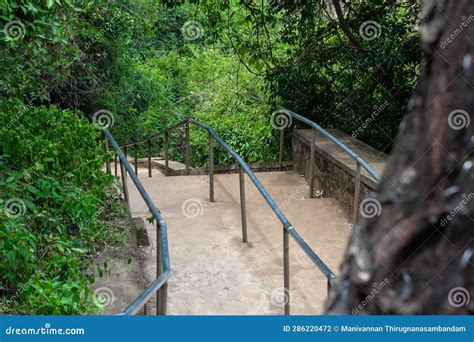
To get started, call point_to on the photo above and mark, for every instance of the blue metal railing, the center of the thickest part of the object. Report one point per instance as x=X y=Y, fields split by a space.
x=163 y=260
x=163 y=265
x=286 y=224
x=360 y=162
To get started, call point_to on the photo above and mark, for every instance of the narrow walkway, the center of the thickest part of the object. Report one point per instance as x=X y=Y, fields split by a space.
x=213 y=272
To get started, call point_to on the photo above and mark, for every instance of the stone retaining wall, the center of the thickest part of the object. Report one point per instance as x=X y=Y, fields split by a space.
x=334 y=169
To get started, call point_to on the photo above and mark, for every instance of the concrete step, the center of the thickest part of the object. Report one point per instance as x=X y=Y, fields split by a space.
x=213 y=272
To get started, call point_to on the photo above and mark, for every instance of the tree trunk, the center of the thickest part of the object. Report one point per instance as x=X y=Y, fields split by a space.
x=416 y=255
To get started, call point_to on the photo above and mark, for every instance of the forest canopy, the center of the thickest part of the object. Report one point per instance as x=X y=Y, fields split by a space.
x=150 y=64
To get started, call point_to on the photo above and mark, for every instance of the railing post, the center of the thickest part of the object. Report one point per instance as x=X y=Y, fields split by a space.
x=330 y=280
x=125 y=185
x=355 y=217
x=167 y=147
x=149 y=158
x=162 y=294
x=135 y=147
x=126 y=152
x=186 y=147
x=115 y=164
x=107 y=162
x=211 y=168
x=286 y=270
x=282 y=137
x=242 y=204
x=311 y=165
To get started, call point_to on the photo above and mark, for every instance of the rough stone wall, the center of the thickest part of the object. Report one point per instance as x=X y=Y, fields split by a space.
x=330 y=177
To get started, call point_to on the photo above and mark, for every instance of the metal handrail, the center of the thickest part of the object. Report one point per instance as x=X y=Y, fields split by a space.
x=339 y=143
x=166 y=130
x=288 y=229
x=360 y=162
x=271 y=202
x=163 y=260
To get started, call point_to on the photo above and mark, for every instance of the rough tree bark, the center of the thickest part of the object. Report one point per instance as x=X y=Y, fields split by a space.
x=416 y=255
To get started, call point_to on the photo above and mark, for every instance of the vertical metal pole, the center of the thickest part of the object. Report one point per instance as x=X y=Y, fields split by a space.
x=211 y=168
x=162 y=294
x=158 y=149
x=126 y=152
x=107 y=163
x=135 y=147
x=242 y=204
x=125 y=185
x=115 y=164
x=355 y=217
x=282 y=137
x=167 y=169
x=330 y=280
x=311 y=165
x=286 y=270
x=149 y=158
x=186 y=148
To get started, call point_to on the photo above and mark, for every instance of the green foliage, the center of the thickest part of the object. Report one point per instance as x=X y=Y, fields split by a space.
x=153 y=63
x=339 y=78
x=74 y=54
x=203 y=84
x=51 y=167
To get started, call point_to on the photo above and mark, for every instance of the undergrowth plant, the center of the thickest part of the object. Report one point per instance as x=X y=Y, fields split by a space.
x=55 y=200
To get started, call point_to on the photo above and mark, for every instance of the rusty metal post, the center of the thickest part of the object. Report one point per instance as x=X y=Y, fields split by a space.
x=115 y=164
x=107 y=162
x=186 y=147
x=355 y=217
x=311 y=164
x=162 y=294
x=242 y=204
x=125 y=185
x=135 y=147
x=149 y=158
x=211 y=168
x=286 y=270
x=282 y=137
x=167 y=150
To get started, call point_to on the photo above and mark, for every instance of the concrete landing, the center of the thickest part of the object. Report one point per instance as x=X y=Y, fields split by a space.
x=213 y=272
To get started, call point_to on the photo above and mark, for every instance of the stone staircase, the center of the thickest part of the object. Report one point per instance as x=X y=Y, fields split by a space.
x=212 y=271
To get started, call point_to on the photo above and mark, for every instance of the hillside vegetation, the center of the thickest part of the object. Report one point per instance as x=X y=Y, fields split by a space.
x=149 y=64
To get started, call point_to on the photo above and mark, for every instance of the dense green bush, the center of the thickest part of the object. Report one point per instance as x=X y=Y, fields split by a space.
x=75 y=54
x=203 y=84
x=153 y=63
x=53 y=200
x=357 y=79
